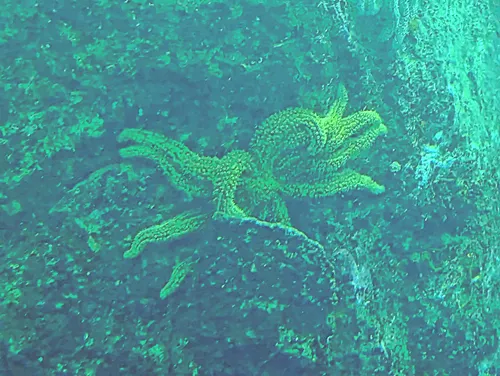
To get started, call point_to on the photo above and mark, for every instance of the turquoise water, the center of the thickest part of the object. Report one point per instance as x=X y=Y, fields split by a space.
x=249 y=188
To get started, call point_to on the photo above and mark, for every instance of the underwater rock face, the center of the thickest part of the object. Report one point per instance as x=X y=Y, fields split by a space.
x=185 y=189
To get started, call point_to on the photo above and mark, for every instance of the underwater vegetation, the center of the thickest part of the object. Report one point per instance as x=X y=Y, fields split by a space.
x=294 y=153
x=194 y=187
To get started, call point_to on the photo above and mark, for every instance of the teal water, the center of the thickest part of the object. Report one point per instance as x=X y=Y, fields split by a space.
x=249 y=188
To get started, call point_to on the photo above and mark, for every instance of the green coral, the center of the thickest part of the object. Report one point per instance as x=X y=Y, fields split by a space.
x=179 y=273
x=295 y=153
x=194 y=174
x=175 y=227
x=299 y=153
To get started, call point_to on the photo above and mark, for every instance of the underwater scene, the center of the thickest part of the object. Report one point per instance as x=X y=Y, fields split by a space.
x=254 y=187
